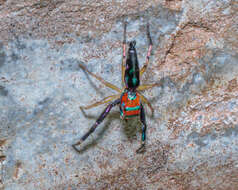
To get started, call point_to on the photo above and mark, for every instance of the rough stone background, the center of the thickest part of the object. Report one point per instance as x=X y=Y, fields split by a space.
x=193 y=136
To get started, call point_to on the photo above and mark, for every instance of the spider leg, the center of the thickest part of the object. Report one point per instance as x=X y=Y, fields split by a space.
x=101 y=79
x=146 y=86
x=124 y=56
x=103 y=101
x=99 y=120
x=148 y=52
x=144 y=99
x=144 y=126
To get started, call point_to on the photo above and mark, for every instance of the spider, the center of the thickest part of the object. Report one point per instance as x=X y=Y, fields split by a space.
x=129 y=98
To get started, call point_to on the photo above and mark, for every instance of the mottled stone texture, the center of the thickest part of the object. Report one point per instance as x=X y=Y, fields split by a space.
x=193 y=136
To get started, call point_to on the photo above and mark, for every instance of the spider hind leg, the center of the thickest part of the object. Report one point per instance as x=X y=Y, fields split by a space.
x=143 y=69
x=124 y=56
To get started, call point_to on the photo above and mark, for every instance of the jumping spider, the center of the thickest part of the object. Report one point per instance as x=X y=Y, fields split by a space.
x=129 y=97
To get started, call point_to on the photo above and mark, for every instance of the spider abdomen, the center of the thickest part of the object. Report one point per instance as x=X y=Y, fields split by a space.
x=132 y=72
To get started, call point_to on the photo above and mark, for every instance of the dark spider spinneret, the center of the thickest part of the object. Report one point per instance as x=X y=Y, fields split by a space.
x=129 y=98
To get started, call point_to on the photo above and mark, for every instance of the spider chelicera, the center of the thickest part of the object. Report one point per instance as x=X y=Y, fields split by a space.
x=129 y=98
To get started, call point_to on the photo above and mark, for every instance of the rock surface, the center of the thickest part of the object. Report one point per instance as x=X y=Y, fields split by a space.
x=192 y=138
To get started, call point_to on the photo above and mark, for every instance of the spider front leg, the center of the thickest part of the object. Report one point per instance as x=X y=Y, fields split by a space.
x=144 y=126
x=99 y=120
